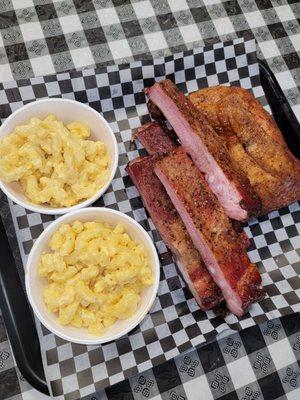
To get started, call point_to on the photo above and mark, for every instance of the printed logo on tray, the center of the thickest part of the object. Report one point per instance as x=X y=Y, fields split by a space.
x=296 y=346
x=144 y=386
x=189 y=366
x=272 y=330
x=232 y=347
x=262 y=363
x=291 y=377
x=220 y=382
x=251 y=394
x=175 y=396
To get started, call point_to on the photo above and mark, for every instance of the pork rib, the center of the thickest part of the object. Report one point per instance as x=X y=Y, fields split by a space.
x=207 y=150
x=173 y=232
x=155 y=137
x=211 y=230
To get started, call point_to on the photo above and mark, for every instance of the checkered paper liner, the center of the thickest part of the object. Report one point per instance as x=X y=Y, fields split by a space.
x=261 y=362
x=175 y=322
x=41 y=37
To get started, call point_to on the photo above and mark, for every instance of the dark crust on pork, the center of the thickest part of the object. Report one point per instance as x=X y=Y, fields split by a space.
x=158 y=139
x=212 y=224
x=250 y=288
x=155 y=137
x=172 y=229
x=214 y=144
x=255 y=143
x=155 y=112
x=238 y=226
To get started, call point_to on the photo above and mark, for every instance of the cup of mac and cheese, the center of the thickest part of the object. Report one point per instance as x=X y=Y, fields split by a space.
x=92 y=275
x=56 y=155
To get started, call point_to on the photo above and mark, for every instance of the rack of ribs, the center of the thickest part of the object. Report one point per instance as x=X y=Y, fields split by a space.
x=211 y=231
x=173 y=232
x=255 y=144
x=207 y=149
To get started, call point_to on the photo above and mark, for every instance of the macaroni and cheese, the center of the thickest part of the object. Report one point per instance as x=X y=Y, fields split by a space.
x=95 y=275
x=55 y=164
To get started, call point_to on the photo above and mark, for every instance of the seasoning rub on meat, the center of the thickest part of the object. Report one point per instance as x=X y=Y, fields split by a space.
x=155 y=137
x=173 y=232
x=211 y=231
x=158 y=139
x=207 y=149
x=255 y=144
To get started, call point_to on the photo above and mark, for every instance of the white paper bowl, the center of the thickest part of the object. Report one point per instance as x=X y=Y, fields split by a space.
x=35 y=285
x=66 y=111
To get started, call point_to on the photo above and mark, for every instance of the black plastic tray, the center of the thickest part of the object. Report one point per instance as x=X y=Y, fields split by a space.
x=18 y=319
x=282 y=112
x=17 y=315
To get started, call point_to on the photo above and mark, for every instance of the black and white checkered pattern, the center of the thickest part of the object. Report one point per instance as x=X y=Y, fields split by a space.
x=275 y=343
x=175 y=322
x=41 y=37
x=261 y=362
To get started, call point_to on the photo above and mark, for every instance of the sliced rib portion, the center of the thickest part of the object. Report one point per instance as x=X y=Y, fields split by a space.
x=173 y=232
x=207 y=149
x=211 y=230
x=255 y=143
x=155 y=137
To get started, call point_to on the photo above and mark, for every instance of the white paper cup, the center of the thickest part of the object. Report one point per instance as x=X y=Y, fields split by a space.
x=67 y=111
x=35 y=285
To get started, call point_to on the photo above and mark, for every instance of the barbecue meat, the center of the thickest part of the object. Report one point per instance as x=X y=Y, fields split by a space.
x=173 y=232
x=207 y=149
x=254 y=142
x=155 y=112
x=212 y=232
x=155 y=137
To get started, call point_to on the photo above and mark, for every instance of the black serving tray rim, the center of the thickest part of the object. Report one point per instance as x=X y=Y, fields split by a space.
x=18 y=319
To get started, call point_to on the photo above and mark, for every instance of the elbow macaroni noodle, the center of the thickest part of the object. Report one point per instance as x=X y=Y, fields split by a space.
x=95 y=275
x=55 y=164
